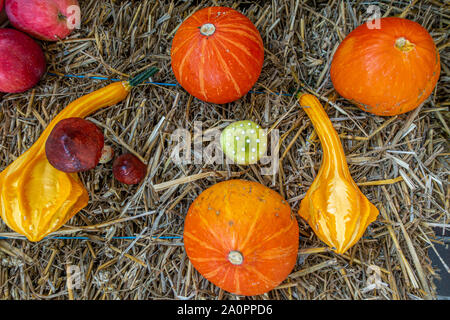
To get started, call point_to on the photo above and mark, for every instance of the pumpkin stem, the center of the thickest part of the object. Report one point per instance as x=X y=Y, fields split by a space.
x=404 y=44
x=207 y=29
x=235 y=257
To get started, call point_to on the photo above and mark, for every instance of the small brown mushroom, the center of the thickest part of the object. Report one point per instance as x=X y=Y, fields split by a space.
x=74 y=145
x=128 y=169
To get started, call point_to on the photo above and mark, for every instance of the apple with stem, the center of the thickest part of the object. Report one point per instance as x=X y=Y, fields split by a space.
x=49 y=20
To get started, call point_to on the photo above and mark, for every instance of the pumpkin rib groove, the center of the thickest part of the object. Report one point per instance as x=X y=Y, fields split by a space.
x=237 y=282
x=225 y=270
x=194 y=17
x=264 y=241
x=357 y=232
x=212 y=273
x=235 y=58
x=190 y=28
x=278 y=256
x=261 y=276
x=270 y=238
x=183 y=61
x=238 y=23
x=226 y=69
x=201 y=70
x=242 y=33
x=208 y=259
x=210 y=230
x=202 y=243
x=243 y=49
x=224 y=65
x=250 y=233
x=183 y=44
x=209 y=13
x=207 y=227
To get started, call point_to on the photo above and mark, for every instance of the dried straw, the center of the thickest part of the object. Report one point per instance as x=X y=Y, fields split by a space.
x=400 y=163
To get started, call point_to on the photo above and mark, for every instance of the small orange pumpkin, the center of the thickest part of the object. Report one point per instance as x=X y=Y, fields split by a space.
x=388 y=70
x=241 y=236
x=217 y=55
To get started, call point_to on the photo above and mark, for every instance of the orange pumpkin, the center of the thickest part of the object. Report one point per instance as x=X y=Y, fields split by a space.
x=217 y=55
x=241 y=236
x=389 y=70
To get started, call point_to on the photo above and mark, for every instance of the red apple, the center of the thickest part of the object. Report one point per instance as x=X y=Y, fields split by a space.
x=22 y=62
x=44 y=19
x=3 y=16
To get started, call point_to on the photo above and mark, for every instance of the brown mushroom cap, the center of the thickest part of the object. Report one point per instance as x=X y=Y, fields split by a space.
x=74 y=145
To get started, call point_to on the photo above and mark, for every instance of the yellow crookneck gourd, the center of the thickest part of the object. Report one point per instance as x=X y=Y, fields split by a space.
x=334 y=206
x=37 y=199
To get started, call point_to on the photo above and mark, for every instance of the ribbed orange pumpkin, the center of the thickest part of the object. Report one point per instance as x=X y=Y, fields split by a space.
x=241 y=236
x=217 y=55
x=386 y=71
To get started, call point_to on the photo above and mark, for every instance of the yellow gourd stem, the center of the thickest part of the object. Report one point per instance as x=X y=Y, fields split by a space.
x=334 y=206
x=37 y=199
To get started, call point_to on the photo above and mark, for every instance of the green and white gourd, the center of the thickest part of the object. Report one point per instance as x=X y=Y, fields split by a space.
x=245 y=142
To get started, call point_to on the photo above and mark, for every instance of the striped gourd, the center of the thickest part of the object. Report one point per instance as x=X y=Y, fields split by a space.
x=334 y=206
